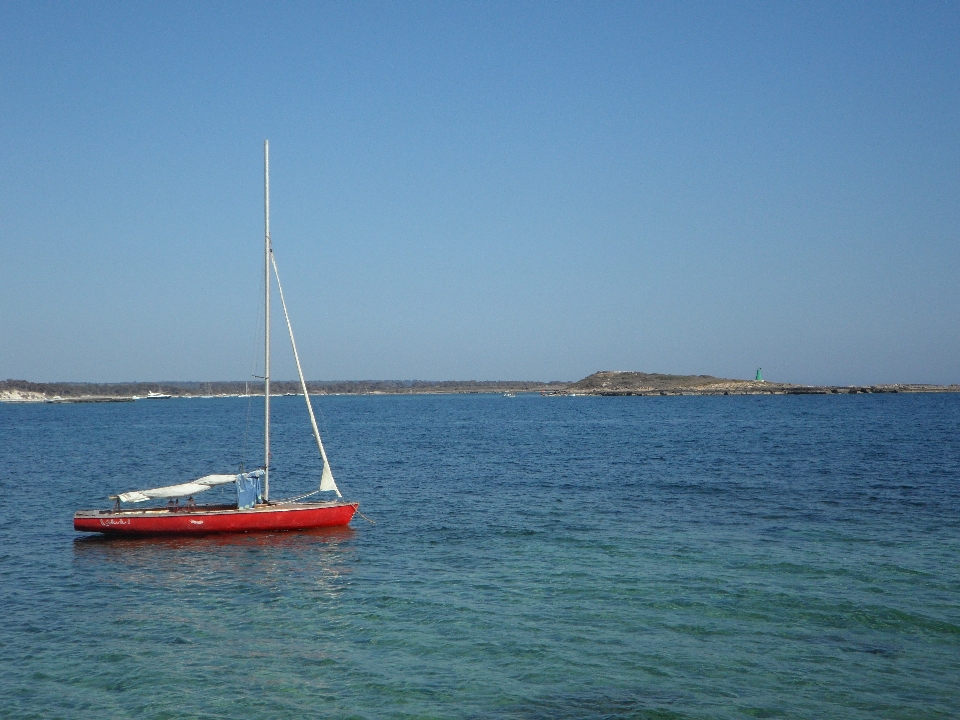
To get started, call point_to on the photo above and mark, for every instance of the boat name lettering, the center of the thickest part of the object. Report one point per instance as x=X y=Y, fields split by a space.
x=113 y=521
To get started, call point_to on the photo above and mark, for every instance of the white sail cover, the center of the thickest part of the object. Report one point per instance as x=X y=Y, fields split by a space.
x=326 y=480
x=170 y=491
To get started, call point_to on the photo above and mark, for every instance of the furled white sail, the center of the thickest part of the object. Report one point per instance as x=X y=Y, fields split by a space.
x=326 y=480
x=171 y=491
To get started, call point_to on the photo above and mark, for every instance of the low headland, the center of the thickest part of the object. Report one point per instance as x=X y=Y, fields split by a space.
x=605 y=383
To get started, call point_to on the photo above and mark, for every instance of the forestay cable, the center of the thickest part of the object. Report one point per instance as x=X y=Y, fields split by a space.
x=326 y=477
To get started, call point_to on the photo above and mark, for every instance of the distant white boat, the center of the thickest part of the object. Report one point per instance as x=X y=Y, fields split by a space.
x=509 y=394
x=157 y=396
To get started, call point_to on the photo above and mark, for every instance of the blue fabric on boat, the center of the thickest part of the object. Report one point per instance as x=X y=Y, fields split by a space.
x=249 y=489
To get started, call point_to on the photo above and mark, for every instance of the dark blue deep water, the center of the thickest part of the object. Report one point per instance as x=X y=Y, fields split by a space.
x=683 y=557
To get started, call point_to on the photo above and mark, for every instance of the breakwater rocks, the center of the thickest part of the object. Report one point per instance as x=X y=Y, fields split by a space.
x=614 y=383
x=32 y=396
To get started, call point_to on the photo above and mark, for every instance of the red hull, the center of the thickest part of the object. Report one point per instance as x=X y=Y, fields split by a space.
x=293 y=516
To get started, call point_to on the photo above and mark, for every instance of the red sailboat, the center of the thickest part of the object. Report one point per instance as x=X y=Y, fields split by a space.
x=253 y=511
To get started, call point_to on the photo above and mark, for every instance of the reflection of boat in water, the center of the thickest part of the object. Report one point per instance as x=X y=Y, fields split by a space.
x=107 y=546
x=253 y=511
x=323 y=557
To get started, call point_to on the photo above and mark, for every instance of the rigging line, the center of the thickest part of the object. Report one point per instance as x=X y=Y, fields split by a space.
x=293 y=500
x=326 y=472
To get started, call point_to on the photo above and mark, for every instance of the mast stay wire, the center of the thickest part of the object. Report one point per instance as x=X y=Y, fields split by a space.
x=326 y=477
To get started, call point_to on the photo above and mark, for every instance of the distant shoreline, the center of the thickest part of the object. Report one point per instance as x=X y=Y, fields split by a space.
x=25 y=391
x=604 y=383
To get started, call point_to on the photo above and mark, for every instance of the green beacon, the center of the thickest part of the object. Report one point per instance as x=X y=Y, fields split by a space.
x=759 y=375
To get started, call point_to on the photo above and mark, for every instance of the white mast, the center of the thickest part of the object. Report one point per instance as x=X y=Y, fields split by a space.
x=266 y=303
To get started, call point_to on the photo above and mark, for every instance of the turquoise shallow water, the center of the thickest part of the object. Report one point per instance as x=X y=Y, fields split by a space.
x=533 y=558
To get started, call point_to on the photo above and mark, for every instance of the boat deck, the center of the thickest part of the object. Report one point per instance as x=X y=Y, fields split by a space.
x=203 y=509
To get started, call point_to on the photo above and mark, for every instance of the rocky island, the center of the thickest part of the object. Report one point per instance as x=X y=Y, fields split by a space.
x=638 y=383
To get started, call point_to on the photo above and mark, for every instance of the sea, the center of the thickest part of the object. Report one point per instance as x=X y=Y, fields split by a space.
x=529 y=557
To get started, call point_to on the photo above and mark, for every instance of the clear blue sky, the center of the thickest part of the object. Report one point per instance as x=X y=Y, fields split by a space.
x=482 y=190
